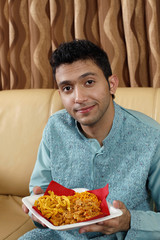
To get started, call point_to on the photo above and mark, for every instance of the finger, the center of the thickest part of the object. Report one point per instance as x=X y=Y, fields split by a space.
x=37 y=220
x=97 y=228
x=112 y=223
x=25 y=209
x=118 y=204
x=109 y=223
x=101 y=226
x=37 y=190
x=91 y=228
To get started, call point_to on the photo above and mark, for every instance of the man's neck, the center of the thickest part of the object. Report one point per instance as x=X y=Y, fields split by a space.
x=98 y=131
x=99 y=134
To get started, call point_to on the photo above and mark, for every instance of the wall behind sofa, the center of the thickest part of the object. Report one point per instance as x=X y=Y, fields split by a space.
x=31 y=29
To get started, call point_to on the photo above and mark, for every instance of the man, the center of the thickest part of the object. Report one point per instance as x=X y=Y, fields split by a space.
x=93 y=142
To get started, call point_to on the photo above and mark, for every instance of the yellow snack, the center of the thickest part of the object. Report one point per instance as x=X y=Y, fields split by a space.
x=61 y=210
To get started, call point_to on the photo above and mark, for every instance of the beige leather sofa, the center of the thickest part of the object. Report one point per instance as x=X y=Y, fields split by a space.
x=23 y=115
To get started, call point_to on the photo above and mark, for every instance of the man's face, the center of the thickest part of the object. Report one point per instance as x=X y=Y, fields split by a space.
x=84 y=92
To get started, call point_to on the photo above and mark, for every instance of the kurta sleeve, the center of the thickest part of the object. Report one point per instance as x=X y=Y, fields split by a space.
x=41 y=175
x=146 y=225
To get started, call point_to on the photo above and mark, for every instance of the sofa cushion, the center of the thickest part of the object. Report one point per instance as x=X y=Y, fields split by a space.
x=13 y=221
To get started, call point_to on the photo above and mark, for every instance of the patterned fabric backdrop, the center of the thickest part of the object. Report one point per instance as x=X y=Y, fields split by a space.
x=128 y=30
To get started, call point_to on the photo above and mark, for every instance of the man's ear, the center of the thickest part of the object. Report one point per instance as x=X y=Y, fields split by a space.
x=59 y=92
x=113 y=81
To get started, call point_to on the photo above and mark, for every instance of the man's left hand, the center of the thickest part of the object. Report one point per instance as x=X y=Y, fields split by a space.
x=113 y=225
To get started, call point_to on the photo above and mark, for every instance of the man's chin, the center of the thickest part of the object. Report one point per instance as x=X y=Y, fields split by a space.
x=86 y=123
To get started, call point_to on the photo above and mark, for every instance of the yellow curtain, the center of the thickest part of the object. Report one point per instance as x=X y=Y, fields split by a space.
x=128 y=30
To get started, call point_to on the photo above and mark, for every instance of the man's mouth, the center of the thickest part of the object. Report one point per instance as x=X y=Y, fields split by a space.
x=85 y=109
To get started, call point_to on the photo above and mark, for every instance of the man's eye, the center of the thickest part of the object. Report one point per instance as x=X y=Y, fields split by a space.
x=66 y=89
x=89 y=82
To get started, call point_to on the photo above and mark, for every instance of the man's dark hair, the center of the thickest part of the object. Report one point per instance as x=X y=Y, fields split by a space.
x=75 y=50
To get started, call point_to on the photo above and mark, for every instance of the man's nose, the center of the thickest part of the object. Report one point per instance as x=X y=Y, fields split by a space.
x=79 y=95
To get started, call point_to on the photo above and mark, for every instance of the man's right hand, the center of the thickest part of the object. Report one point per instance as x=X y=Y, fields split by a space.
x=36 y=190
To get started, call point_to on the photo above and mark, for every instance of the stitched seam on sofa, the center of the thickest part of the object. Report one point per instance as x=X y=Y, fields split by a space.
x=17 y=228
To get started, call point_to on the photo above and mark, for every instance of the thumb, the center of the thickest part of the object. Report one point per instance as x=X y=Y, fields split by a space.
x=37 y=190
x=118 y=204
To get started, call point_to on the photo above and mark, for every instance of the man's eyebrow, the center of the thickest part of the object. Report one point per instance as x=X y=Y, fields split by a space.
x=87 y=74
x=68 y=82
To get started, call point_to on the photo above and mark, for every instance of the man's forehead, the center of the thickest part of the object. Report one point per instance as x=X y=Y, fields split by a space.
x=81 y=67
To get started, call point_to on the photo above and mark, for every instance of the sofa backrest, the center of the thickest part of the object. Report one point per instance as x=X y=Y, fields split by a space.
x=146 y=100
x=23 y=116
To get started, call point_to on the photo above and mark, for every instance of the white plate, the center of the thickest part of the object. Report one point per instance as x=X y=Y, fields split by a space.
x=29 y=202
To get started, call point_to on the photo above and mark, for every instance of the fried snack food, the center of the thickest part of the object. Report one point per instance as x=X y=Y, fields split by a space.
x=61 y=210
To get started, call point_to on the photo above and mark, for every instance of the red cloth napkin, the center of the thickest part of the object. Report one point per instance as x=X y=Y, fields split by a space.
x=60 y=190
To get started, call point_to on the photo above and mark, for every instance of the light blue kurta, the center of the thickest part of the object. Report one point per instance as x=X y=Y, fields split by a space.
x=129 y=161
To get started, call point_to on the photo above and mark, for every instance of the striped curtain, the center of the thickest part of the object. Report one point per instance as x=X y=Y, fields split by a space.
x=128 y=30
